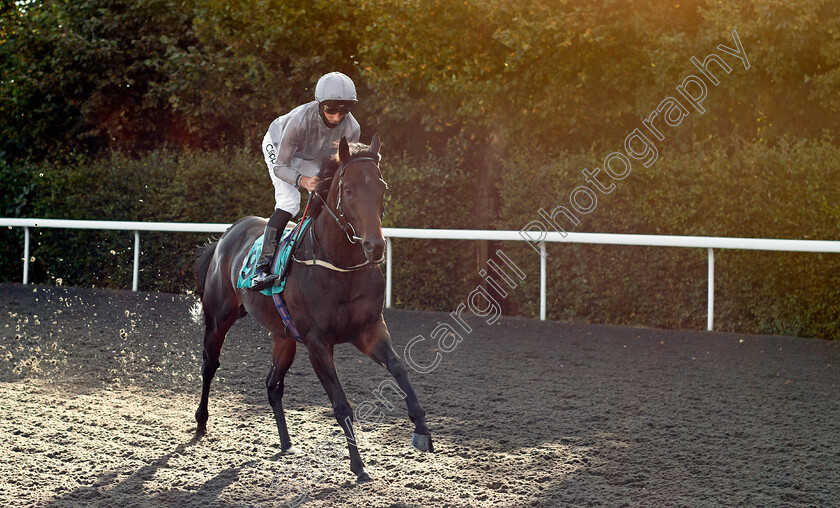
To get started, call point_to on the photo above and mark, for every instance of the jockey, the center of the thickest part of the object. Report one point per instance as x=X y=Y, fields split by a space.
x=294 y=147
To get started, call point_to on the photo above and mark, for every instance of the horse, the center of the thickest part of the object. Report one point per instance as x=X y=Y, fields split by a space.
x=334 y=292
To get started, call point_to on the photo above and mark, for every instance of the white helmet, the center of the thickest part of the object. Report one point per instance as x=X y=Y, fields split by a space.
x=335 y=86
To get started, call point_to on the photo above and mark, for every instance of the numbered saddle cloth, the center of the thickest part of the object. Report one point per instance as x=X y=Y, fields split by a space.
x=278 y=263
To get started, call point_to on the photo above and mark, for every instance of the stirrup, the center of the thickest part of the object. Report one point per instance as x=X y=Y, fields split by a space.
x=262 y=281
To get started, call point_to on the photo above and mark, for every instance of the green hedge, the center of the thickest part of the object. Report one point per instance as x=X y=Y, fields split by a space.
x=428 y=274
x=163 y=186
x=749 y=190
x=698 y=192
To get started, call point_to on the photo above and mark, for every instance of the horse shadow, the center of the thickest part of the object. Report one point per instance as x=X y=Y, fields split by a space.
x=110 y=490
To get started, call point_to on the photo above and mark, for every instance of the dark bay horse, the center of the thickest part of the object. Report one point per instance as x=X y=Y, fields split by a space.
x=329 y=306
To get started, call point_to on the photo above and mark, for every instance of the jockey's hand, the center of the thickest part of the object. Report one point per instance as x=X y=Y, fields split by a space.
x=309 y=183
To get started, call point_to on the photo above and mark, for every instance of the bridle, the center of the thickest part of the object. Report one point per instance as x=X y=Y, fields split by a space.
x=343 y=223
x=340 y=219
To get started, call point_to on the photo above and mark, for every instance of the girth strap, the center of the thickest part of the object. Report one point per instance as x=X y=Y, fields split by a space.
x=284 y=314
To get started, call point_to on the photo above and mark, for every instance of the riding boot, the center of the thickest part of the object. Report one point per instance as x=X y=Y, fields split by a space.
x=263 y=277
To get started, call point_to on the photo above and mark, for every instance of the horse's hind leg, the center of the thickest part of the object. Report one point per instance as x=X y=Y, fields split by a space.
x=218 y=318
x=282 y=357
x=376 y=343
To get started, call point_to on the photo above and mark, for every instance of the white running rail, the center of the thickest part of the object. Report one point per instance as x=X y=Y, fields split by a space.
x=697 y=242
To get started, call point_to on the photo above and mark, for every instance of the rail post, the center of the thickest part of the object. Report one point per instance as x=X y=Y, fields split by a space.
x=26 y=255
x=136 y=260
x=543 y=277
x=388 y=273
x=710 y=319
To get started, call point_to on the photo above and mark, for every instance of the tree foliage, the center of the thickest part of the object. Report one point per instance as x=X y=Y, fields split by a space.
x=488 y=111
x=78 y=74
x=136 y=74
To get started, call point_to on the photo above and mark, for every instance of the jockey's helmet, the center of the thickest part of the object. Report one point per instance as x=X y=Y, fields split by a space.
x=336 y=88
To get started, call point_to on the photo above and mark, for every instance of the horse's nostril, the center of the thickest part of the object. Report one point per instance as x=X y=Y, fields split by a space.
x=373 y=248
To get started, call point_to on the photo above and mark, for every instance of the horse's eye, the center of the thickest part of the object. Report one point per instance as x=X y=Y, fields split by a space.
x=348 y=192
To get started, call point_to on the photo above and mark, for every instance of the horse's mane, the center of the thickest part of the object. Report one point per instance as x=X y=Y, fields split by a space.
x=329 y=167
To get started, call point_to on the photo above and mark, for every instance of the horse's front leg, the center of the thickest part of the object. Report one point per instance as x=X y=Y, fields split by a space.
x=321 y=357
x=376 y=343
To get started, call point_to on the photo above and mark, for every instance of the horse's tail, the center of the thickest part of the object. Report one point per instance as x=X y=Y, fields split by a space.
x=202 y=263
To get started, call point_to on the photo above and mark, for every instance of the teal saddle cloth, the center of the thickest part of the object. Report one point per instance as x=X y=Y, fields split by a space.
x=281 y=257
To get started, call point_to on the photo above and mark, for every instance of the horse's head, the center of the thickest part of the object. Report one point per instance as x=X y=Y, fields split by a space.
x=358 y=195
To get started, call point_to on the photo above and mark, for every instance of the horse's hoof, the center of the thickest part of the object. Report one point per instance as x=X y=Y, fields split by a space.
x=201 y=430
x=292 y=450
x=363 y=477
x=422 y=442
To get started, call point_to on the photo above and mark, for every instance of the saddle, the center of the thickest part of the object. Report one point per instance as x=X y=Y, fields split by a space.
x=282 y=256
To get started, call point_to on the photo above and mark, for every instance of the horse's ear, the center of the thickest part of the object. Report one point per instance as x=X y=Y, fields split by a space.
x=374 y=144
x=343 y=150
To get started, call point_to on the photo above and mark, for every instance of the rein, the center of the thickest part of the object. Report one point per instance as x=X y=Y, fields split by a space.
x=342 y=225
x=354 y=238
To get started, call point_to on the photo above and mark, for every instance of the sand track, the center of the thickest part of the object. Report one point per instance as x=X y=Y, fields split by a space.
x=98 y=390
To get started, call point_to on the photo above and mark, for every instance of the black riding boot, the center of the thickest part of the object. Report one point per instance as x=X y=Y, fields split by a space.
x=263 y=277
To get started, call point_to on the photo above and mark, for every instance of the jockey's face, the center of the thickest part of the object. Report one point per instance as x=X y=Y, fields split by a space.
x=335 y=118
x=334 y=112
